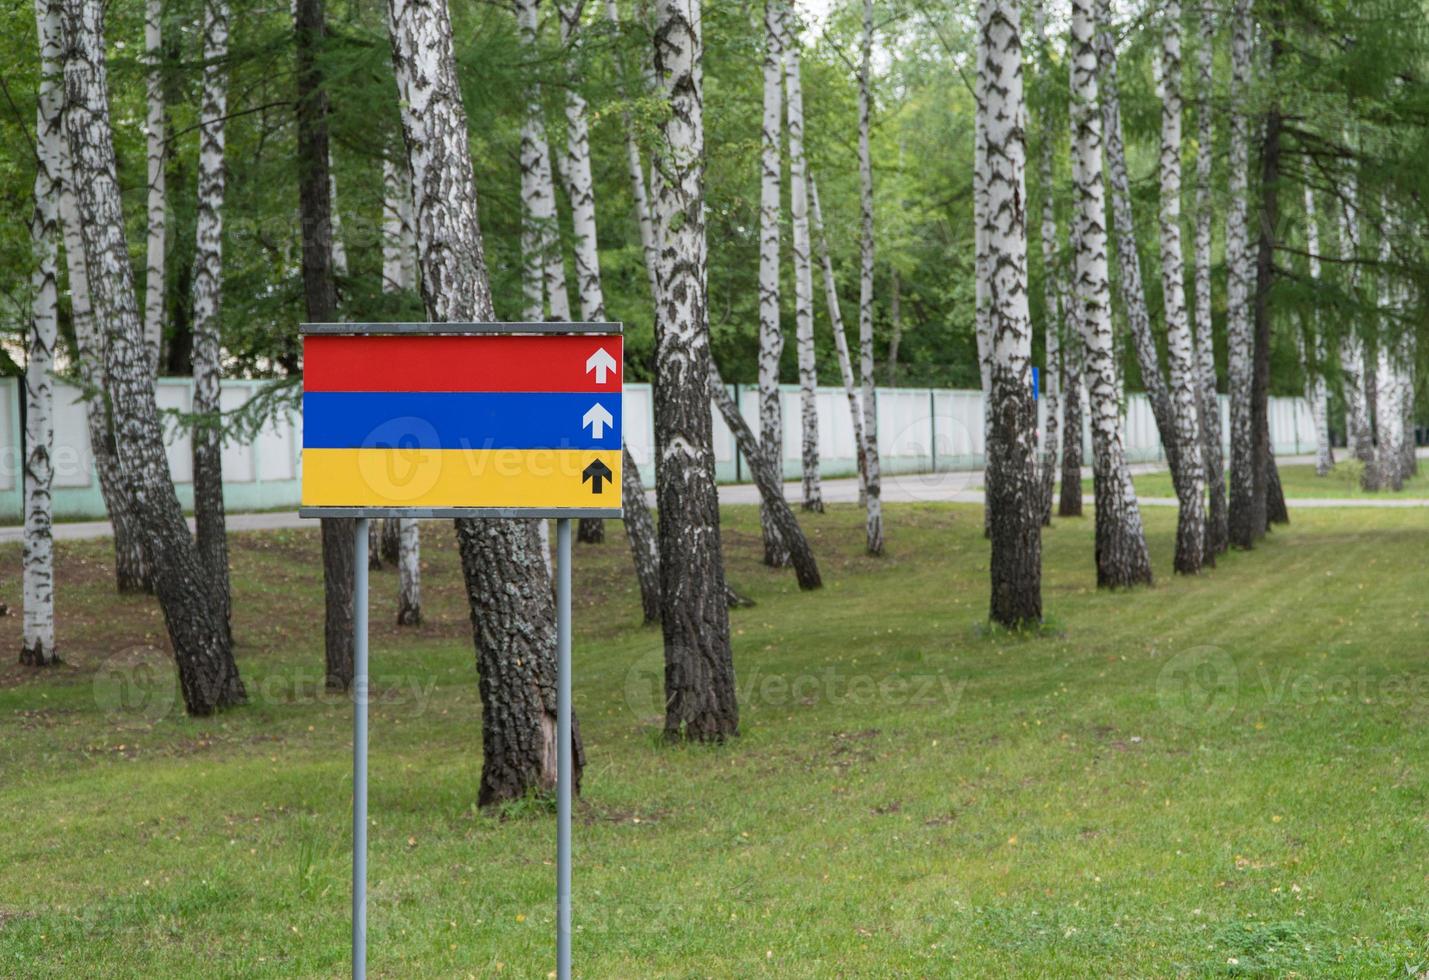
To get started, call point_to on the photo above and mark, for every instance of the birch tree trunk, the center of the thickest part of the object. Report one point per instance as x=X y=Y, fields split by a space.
x=803 y=273
x=1131 y=287
x=1073 y=361
x=1388 y=406
x=1408 y=350
x=771 y=331
x=1180 y=347
x=131 y=571
x=699 y=669
x=37 y=648
x=770 y=483
x=1121 y=555
x=1239 y=339
x=208 y=676
x=401 y=536
x=580 y=191
x=1316 y=391
x=154 y=283
x=873 y=485
x=1267 y=499
x=639 y=525
x=982 y=315
x=836 y=323
x=1014 y=495
x=538 y=186
x=1352 y=366
x=508 y=590
x=207 y=317
x=339 y=249
x=1217 y=533
x=1052 y=326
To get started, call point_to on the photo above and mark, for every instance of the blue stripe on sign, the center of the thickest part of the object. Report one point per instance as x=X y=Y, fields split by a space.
x=460 y=420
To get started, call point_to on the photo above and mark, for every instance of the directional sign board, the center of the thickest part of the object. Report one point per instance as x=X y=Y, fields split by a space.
x=462 y=419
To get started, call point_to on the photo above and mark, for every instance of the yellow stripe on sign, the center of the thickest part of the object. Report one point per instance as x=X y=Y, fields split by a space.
x=461 y=477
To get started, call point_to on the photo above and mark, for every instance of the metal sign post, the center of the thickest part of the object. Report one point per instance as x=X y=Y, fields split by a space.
x=478 y=420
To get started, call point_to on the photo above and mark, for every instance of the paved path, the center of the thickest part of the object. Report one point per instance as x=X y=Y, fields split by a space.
x=964 y=486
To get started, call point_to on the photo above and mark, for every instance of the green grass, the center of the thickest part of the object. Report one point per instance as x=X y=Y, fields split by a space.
x=1298 y=480
x=1218 y=776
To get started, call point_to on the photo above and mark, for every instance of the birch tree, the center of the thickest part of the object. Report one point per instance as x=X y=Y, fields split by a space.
x=803 y=272
x=699 y=668
x=771 y=331
x=1052 y=326
x=1352 y=358
x=982 y=269
x=1131 y=287
x=37 y=647
x=1239 y=339
x=836 y=324
x=1210 y=404
x=208 y=676
x=1121 y=555
x=157 y=204
x=1180 y=347
x=1013 y=492
x=207 y=299
x=873 y=486
x=1389 y=390
x=1313 y=353
x=580 y=191
x=541 y=252
x=508 y=590
x=397 y=275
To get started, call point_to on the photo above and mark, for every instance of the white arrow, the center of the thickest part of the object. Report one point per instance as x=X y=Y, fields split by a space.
x=597 y=418
x=601 y=363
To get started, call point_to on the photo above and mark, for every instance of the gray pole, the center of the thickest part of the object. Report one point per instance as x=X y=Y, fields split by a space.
x=563 y=748
x=359 y=753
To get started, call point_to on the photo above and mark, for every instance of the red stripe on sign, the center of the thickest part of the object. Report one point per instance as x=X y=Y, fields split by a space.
x=440 y=362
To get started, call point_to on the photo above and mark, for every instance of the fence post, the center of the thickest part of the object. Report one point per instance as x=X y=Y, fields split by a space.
x=933 y=428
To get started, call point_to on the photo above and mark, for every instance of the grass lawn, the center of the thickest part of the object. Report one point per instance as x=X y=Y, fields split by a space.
x=1298 y=480
x=1221 y=776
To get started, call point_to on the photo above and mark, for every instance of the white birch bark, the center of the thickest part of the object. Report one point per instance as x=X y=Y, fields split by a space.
x=396 y=273
x=1052 y=325
x=1352 y=358
x=132 y=572
x=37 y=647
x=1013 y=489
x=803 y=272
x=1180 y=348
x=1316 y=391
x=699 y=669
x=1239 y=338
x=1121 y=555
x=157 y=202
x=771 y=330
x=1388 y=399
x=1131 y=287
x=538 y=188
x=207 y=307
x=836 y=323
x=208 y=676
x=580 y=191
x=508 y=590
x=339 y=250
x=635 y=170
x=873 y=485
x=1217 y=530
x=982 y=317
x=580 y=187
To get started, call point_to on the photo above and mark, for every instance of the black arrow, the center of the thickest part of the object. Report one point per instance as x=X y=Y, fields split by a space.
x=597 y=473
